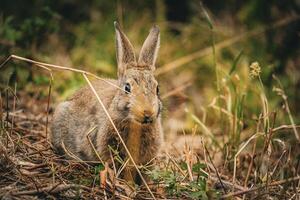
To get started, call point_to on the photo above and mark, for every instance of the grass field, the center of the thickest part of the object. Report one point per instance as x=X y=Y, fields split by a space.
x=231 y=120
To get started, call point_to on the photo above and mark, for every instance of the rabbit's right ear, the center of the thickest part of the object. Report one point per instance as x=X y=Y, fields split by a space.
x=124 y=50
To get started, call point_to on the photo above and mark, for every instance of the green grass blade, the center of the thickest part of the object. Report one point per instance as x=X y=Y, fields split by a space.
x=235 y=62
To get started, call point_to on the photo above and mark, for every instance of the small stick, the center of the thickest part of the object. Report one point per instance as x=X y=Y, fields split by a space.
x=92 y=145
x=51 y=189
x=218 y=175
x=176 y=165
x=251 y=163
x=281 y=92
x=69 y=153
x=176 y=90
x=239 y=151
x=229 y=184
x=57 y=67
x=273 y=184
x=46 y=68
x=253 y=153
x=1 y=111
x=122 y=168
x=269 y=138
x=188 y=155
x=282 y=127
x=114 y=176
x=14 y=108
x=102 y=174
x=7 y=113
x=48 y=106
x=113 y=161
x=277 y=163
x=204 y=153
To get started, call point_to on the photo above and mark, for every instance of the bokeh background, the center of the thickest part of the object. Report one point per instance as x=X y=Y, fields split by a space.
x=203 y=67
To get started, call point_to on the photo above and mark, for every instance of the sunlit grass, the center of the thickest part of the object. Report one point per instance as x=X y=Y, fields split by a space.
x=249 y=136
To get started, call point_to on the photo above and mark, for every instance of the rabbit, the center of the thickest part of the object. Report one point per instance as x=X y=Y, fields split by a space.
x=135 y=110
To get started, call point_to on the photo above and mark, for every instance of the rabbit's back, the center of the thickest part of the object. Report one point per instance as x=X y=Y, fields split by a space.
x=75 y=117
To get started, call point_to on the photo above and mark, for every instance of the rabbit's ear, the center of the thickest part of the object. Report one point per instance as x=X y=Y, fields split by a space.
x=150 y=48
x=124 y=50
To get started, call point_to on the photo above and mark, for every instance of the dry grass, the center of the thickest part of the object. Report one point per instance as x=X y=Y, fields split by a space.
x=227 y=135
x=30 y=168
x=207 y=161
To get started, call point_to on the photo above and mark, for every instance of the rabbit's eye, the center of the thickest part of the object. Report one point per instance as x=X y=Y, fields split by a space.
x=157 y=90
x=127 y=88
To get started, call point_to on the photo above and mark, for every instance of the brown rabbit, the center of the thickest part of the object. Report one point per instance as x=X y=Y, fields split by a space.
x=135 y=110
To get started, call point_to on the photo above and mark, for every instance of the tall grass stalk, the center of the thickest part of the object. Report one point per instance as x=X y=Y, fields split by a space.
x=212 y=38
x=265 y=106
x=280 y=91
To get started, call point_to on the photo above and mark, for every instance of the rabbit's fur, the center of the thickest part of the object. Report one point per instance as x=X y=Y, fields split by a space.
x=136 y=114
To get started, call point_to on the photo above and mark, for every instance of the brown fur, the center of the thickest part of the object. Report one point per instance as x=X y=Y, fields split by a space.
x=134 y=145
x=75 y=117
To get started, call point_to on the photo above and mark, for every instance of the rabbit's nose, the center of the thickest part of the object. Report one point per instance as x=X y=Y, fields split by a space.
x=147 y=119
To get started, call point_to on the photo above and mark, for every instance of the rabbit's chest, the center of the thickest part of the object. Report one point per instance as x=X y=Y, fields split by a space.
x=140 y=142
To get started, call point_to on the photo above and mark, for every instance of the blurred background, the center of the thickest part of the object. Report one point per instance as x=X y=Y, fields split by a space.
x=203 y=64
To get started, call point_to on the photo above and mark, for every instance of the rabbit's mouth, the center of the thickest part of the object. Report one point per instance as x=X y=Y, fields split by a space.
x=147 y=120
x=144 y=117
x=144 y=121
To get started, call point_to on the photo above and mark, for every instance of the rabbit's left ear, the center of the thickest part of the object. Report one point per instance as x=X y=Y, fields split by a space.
x=150 y=48
x=125 y=52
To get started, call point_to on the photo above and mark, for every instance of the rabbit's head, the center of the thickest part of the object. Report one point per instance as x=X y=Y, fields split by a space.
x=139 y=101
